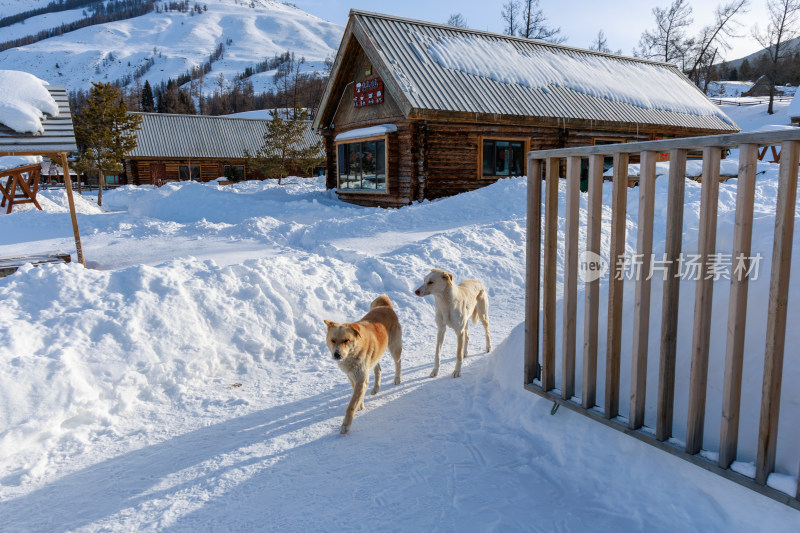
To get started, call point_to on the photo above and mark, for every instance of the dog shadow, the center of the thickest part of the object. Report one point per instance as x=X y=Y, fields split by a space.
x=138 y=477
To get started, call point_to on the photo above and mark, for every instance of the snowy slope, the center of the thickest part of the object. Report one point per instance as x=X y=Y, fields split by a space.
x=177 y=42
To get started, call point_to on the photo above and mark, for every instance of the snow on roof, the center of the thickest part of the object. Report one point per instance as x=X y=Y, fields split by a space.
x=645 y=85
x=440 y=69
x=24 y=101
x=372 y=131
x=794 y=107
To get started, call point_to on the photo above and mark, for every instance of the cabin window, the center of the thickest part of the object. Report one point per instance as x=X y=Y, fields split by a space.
x=234 y=172
x=189 y=172
x=501 y=158
x=362 y=165
x=112 y=179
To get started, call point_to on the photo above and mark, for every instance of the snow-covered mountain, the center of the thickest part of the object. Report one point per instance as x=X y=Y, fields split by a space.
x=166 y=44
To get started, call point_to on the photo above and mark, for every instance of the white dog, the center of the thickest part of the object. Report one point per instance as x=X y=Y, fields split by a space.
x=454 y=305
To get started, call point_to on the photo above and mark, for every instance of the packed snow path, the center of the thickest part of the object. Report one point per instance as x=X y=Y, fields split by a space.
x=159 y=391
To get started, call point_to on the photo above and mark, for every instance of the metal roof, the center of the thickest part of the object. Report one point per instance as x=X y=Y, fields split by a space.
x=58 y=136
x=422 y=85
x=201 y=136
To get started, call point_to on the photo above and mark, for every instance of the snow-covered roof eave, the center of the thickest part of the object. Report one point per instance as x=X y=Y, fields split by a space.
x=24 y=102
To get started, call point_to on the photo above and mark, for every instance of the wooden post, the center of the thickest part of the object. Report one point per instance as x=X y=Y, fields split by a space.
x=737 y=308
x=532 y=250
x=776 y=313
x=619 y=205
x=704 y=291
x=550 y=266
x=72 y=214
x=669 y=309
x=594 y=218
x=569 y=333
x=641 y=316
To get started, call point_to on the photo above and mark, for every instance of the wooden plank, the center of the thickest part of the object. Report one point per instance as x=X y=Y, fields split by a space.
x=71 y=203
x=737 y=308
x=641 y=316
x=619 y=205
x=704 y=290
x=533 y=247
x=776 y=313
x=669 y=309
x=550 y=266
x=594 y=219
x=569 y=333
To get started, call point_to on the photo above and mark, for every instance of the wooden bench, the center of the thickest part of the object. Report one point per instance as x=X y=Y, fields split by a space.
x=21 y=187
x=11 y=265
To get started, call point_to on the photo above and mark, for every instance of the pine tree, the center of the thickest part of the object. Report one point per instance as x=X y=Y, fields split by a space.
x=148 y=104
x=282 y=150
x=105 y=132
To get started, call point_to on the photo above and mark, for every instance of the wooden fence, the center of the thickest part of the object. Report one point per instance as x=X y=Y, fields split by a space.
x=544 y=172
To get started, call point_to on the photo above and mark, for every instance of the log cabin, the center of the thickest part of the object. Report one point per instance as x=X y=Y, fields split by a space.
x=415 y=110
x=173 y=147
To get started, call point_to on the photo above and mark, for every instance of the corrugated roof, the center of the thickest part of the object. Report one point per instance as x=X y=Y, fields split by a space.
x=58 y=136
x=405 y=51
x=201 y=136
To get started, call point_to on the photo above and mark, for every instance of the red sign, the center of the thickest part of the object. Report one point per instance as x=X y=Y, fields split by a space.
x=368 y=92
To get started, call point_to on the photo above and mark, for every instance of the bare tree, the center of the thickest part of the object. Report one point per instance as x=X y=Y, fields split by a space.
x=458 y=20
x=713 y=39
x=667 y=41
x=600 y=43
x=782 y=27
x=534 y=24
x=510 y=15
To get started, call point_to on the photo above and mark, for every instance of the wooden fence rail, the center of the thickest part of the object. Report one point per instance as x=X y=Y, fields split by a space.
x=541 y=296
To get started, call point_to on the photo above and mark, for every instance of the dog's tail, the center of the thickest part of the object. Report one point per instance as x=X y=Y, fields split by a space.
x=380 y=301
x=481 y=306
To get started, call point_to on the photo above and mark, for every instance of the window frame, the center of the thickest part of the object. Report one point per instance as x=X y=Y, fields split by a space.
x=526 y=142
x=189 y=172
x=385 y=139
x=244 y=170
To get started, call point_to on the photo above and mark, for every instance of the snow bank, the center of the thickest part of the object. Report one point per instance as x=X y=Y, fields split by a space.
x=24 y=101
x=644 y=85
x=9 y=162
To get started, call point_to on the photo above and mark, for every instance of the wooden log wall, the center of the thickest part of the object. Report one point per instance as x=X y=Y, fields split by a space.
x=138 y=170
x=438 y=159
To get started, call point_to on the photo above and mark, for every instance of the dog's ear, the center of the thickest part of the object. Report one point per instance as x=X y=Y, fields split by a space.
x=448 y=277
x=356 y=329
x=330 y=323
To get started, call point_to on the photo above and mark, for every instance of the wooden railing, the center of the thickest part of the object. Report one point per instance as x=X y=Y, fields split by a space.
x=541 y=321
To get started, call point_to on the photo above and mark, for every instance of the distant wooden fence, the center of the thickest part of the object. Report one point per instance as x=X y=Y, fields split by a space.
x=542 y=265
x=750 y=100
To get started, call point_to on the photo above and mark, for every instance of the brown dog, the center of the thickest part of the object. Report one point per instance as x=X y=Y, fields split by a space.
x=358 y=346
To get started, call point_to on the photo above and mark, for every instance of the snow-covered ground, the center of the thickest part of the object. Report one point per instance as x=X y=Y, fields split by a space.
x=181 y=382
x=177 y=42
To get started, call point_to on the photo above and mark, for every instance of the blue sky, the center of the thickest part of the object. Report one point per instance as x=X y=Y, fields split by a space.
x=622 y=20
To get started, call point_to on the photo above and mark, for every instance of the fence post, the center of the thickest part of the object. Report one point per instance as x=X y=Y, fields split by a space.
x=704 y=291
x=669 y=310
x=594 y=219
x=532 y=251
x=641 y=316
x=776 y=314
x=569 y=333
x=619 y=206
x=550 y=266
x=737 y=308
